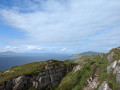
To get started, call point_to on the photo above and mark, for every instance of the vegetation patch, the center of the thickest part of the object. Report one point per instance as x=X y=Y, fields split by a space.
x=32 y=68
x=76 y=81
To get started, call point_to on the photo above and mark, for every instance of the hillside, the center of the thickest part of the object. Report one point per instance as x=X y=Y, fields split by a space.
x=99 y=72
x=96 y=73
x=86 y=55
x=37 y=75
x=90 y=53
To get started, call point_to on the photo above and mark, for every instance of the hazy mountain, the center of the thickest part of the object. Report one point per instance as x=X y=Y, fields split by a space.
x=10 y=53
x=90 y=53
x=7 y=53
x=84 y=55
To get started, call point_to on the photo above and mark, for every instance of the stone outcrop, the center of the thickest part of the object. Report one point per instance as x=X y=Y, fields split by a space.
x=44 y=79
x=47 y=79
x=77 y=68
x=110 y=56
x=104 y=86
x=117 y=72
x=92 y=82
x=115 y=68
x=111 y=66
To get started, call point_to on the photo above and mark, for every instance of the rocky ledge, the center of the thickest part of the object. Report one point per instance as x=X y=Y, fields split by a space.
x=49 y=78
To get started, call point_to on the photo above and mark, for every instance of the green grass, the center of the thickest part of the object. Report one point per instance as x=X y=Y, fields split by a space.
x=31 y=68
x=69 y=64
x=104 y=76
x=31 y=88
x=26 y=69
x=76 y=81
x=72 y=81
x=87 y=55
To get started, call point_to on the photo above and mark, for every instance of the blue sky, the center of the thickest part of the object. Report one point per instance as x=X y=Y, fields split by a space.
x=61 y=26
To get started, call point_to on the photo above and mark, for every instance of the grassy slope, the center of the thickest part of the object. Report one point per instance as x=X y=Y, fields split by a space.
x=77 y=81
x=110 y=78
x=32 y=68
x=72 y=81
x=87 y=55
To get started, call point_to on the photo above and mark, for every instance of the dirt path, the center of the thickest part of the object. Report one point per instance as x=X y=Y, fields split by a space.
x=92 y=81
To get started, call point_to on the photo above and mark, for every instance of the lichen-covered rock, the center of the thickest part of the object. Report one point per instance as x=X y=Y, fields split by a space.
x=46 y=79
x=48 y=67
x=110 y=56
x=19 y=86
x=116 y=70
x=35 y=84
x=51 y=71
x=56 y=83
x=118 y=63
x=112 y=66
x=20 y=83
x=77 y=68
x=118 y=77
x=92 y=82
x=115 y=67
x=108 y=69
x=9 y=85
x=104 y=86
x=43 y=73
x=54 y=77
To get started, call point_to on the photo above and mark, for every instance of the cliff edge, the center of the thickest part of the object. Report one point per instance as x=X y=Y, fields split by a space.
x=37 y=75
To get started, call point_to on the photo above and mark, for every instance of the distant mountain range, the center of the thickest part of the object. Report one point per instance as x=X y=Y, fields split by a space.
x=8 y=53
x=84 y=55
x=90 y=53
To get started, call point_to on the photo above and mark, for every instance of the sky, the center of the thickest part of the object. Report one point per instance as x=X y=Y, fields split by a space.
x=59 y=26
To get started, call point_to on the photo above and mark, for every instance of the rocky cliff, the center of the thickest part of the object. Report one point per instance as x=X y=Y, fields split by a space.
x=48 y=78
x=95 y=73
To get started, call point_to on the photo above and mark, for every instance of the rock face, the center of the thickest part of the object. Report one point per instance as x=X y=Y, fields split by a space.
x=117 y=72
x=43 y=80
x=111 y=66
x=92 y=82
x=110 y=56
x=77 y=68
x=104 y=86
x=115 y=67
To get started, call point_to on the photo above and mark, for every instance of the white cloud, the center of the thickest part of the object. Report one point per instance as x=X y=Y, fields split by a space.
x=67 y=24
x=22 y=48
x=32 y=48
x=63 y=49
x=11 y=48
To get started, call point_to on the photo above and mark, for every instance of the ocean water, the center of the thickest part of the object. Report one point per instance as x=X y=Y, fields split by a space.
x=6 y=62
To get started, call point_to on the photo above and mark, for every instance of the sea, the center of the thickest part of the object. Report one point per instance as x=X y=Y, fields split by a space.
x=6 y=62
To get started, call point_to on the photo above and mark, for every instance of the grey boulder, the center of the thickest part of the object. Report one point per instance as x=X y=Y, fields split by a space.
x=104 y=86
